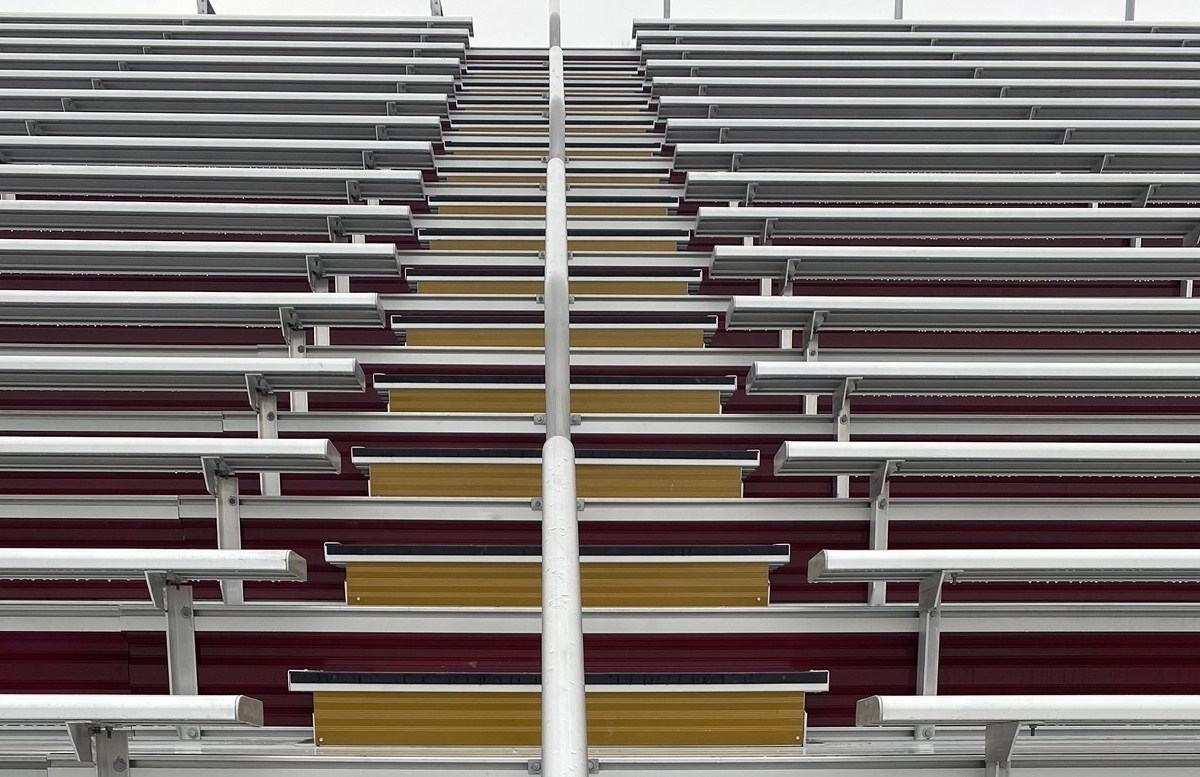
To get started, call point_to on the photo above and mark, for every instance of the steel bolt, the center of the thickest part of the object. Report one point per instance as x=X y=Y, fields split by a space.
x=119 y=765
x=186 y=612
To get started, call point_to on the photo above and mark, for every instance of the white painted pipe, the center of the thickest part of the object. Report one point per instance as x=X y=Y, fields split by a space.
x=564 y=712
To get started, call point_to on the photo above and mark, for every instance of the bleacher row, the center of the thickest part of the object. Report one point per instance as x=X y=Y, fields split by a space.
x=864 y=317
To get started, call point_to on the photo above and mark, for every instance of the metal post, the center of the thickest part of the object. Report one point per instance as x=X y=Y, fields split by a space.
x=555 y=31
x=557 y=289
x=564 y=713
x=666 y=9
x=181 y=640
x=435 y=7
x=1130 y=9
x=111 y=750
x=898 y=10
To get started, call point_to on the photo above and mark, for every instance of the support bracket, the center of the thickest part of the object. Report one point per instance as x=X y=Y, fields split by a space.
x=999 y=741
x=223 y=485
x=336 y=229
x=768 y=232
x=80 y=732
x=1142 y=199
x=354 y=193
x=1192 y=237
x=841 y=405
x=317 y=280
x=811 y=329
x=751 y=190
x=293 y=331
x=878 y=538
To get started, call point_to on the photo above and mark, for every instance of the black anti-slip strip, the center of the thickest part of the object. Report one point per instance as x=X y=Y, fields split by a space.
x=577 y=274
x=528 y=678
x=537 y=380
x=334 y=548
x=521 y=453
x=500 y=318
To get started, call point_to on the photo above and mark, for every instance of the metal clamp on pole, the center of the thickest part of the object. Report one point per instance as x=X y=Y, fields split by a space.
x=564 y=715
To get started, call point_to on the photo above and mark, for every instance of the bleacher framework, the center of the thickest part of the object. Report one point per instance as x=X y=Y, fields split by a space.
x=807 y=398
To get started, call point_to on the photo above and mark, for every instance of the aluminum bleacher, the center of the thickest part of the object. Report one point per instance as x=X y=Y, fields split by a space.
x=879 y=335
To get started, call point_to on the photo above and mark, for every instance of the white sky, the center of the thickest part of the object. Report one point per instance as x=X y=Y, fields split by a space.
x=605 y=23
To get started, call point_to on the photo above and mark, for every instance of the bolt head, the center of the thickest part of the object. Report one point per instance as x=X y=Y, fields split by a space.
x=119 y=765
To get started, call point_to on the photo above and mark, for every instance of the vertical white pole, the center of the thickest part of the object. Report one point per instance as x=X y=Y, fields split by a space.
x=898 y=10
x=666 y=9
x=564 y=712
x=1130 y=10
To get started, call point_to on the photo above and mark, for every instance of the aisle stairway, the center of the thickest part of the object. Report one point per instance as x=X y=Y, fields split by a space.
x=757 y=258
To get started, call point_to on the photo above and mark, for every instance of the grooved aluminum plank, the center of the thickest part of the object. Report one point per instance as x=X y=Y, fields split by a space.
x=975 y=379
x=19 y=43
x=994 y=565
x=1058 y=131
x=177 y=308
x=1040 y=459
x=896 y=26
x=225 y=63
x=134 y=563
x=851 y=86
x=132 y=710
x=189 y=101
x=967 y=66
x=1085 y=709
x=249 y=79
x=772 y=187
x=766 y=510
x=228 y=182
x=165 y=454
x=992 y=314
x=223 y=152
x=954 y=262
x=464 y=426
x=240 y=218
x=235 y=32
x=185 y=257
x=949 y=222
x=220 y=125
x=961 y=157
x=133 y=373
x=269 y=20
x=950 y=35
x=766 y=54
x=615 y=359
x=921 y=108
